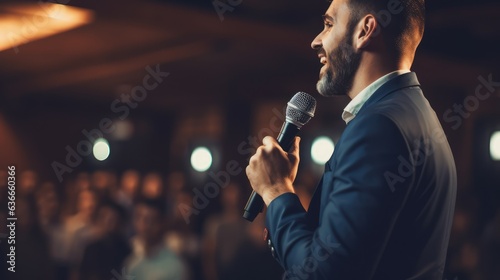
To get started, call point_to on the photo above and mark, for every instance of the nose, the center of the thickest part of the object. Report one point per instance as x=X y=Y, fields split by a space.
x=316 y=44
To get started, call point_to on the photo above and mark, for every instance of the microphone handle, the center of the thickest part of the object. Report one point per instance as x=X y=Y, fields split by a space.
x=255 y=204
x=287 y=135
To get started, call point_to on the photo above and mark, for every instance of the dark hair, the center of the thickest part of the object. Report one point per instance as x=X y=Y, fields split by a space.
x=154 y=203
x=122 y=213
x=406 y=18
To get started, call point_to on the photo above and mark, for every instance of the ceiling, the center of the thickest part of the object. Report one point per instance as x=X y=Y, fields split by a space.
x=258 y=50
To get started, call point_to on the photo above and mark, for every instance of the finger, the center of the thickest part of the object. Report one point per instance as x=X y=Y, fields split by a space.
x=269 y=141
x=254 y=158
x=294 y=151
x=259 y=151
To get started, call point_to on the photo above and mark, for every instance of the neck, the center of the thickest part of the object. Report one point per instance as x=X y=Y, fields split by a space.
x=85 y=215
x=152 y=246
x=373 y=67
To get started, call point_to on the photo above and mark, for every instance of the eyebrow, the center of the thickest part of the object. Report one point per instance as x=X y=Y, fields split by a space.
x=327 y=17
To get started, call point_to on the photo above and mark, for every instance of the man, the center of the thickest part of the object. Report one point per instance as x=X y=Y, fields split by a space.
x=384 y=207
x=109 y=250
x=151 y=259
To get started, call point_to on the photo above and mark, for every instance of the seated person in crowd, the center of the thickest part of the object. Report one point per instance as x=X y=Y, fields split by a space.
x=151 y=259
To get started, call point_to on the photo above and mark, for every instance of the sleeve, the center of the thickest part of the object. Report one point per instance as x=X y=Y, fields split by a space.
x=359 y=207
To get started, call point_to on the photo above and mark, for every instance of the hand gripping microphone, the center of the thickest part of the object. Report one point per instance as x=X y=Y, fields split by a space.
x=299 y=110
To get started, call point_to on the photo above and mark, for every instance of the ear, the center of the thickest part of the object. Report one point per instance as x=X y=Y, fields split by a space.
x=367 y=30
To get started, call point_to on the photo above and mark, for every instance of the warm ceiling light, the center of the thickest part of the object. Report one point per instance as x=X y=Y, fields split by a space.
x=21 y=24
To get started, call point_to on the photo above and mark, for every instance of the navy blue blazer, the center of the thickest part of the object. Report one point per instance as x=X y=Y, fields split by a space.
x=384 y=206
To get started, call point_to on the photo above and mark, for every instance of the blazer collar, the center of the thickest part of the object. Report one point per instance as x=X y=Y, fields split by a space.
x=395 y=84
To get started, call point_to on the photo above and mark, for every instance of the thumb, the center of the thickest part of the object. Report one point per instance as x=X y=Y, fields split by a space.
x=293 y=154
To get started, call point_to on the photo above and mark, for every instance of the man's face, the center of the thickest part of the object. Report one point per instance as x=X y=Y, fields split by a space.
x=147 y=223
x=335 y=50
x=108 y=219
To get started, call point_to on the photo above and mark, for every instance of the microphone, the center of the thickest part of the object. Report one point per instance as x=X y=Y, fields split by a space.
x=299 y=110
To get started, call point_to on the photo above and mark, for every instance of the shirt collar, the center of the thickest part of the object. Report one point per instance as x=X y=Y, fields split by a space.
x=352 y=109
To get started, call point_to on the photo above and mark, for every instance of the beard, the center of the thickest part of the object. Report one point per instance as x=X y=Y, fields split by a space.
x=342 y=64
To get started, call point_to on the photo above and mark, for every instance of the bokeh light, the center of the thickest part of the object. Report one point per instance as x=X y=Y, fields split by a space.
x=201 y=159
x=322 y=149
x=495 y=145
x=101 y=149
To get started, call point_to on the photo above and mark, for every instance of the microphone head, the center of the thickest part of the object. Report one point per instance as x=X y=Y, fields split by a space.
x=300 y=109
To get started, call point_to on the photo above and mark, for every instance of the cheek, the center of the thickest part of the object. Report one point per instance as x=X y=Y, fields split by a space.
x=330 y=42
x=327 y=44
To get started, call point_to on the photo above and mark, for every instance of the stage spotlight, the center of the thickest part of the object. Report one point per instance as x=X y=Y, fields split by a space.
x=201 y=159
x=322 y=149
x=101 y=149
x=495 y=145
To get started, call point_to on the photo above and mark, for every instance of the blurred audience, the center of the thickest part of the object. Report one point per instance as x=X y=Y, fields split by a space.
x=253 y=259
x=176 y=185
x=223 y=234
x=32 y=249
x=80 y=230
x=126 y=195
x=94 y=226
x=26 y=183
x=103 y=183
x=231 y=243
x=128 y=189
x=109 y=250
x=181 y=238
x=151 y=258
x=152 y=186
x=50 y=221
